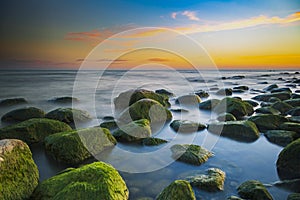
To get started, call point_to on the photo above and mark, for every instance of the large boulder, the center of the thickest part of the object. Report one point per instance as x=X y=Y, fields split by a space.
x=134 y=131
x=164 y=92
x=254 y=190
x=178 y=190
x=33 y=130
x=69 y=115
x=19 y=175
x=282 y=106
x=12 y=101
x=188 y=100
x=209 y=104
x=290 y=126
x=224 y=117
x=265 y=97
x=192 y=154
x=281 y=137
x=288 y=162
x=244 y=131
x=212 y=181
x=93 y=181
x=127 y=98
x=294 y=111
x=290 y=185
x=234 y=106
x=186 y=126
x=23 y=114
x=293 y=102
x=73 y=147
x=267 y=110
x=265 y=122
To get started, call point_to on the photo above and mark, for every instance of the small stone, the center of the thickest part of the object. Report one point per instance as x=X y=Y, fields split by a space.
x=254 y=190
x=186 y=126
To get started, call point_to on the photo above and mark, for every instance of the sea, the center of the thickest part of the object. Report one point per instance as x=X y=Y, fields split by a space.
x=147 y=170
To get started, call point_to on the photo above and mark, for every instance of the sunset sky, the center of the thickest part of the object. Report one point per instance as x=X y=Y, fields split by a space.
x=255 y=34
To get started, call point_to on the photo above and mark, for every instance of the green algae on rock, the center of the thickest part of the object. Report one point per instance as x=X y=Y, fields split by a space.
x=110 y=124
x=294 y=196
x=73 y=147
x=93 y=181
x=281 y=137
x=33 y=130
x=267 y=110
x=265 y=122
x=224 y=117
x=280 y=95
x=290 y=126
x=186 y=126
x=12 y=101
x=190 y=153
x=150 y=141
x=19 y=175
x=23 y=114
x=177 y=190
x=254 y=190
x=69 y=115
x=209 y=104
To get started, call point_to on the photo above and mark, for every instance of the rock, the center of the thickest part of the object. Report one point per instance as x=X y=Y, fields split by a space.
x=252 y=103
x=242 y=87
x=23 y=114
x=179 y=110
x=224 y=92
x=202 y=94
x=188 y=100
x=281 y=90
x=238 y=91
x=209 y=104
x=12 y=101
x=290 y=126
x=186 y=126
x=254 y=190
x=281 y=137
x=295 y=119
x=291 y=185
x=237 y=77
x=265 y=122
x=295 y=96
x=234 y=198
x=108 y=118
x=134 y=131
x=111 y=124
x=64 y=100
x=280 y=95
x=266 y=104
x=146 y=109
x=282 y=107
x=164 y=92
x=19 y=175
x=294 y=111
x=69 y=115
x=178 y=190
x=192 y=154
x=126 y=99
x=294 y=196
x=271 y=87
x=288 y=162
x=244 y=131
x=293 y=102
x=262 y=82
x=33 y=130
x=224 y=117
x=93 y=181
x=212 y=181
x=274 y=100
x=73 y=147
x=255 y=91
x=267 y=110
x=234 y=106
x=150 y=141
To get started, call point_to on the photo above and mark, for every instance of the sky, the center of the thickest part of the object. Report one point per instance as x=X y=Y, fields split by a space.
x=230 y=34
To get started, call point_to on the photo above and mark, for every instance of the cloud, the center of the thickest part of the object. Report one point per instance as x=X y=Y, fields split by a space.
x=173 y=15
x=191 y=15
x=158 y=59
x=101 y=60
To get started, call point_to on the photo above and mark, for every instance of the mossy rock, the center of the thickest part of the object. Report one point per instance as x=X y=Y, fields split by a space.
x=288 y=162
x=134 y=131
x=241 y=87
x=127 y=98
x=186 y=126
x=19 y=175
x=274 y=100
x=93 y=181
x=294 y=111
x=12 y=101
x=290 y=126
x=265 y=122
x=275 y=90
x=146 y=109
x=267 y=110
x=209 y=104
x=290 y=185
x=23 y=114
x=69 y=115
x=254 y=190
x=202 y=94
x=252 y=103
x=244 y=131
x=280 y=95
x=188 y=100
x=281 y=137
x=294 y=196
x=234 y=106
x=150 y=141
x=73 y=147
x=178 y=190
x=270 y=87
x=295 y=119
x=282 y=107
x=111 y=124
x=33 y=130
x=164 y=92
x=224 y=117
x=64 y=100
x=293 y=102
x=224 y=92
x=190 y=153
x=212 y=181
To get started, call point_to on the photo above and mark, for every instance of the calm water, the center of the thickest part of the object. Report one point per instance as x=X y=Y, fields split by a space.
x=240 y=161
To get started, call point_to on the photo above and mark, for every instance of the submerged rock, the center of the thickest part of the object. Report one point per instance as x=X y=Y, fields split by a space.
x=150 y=141
x=265 y=97
x=192 y=154
x=178 y=190
x=64 y=100
x=288 y=162
x=69 y=115
x=254 y=190
x=19 y=175
x=33 y=130
x=265 y=122
x=12 y=101
x=188 y=100
x=244 y=131
x=73 y=147
x=23 y=114
x=185 y=126
x=209 y=104
x=213 y=181
x=134 y=131
x=93 y=181
x=281 y=137
x=224 y=117
x=224 y=92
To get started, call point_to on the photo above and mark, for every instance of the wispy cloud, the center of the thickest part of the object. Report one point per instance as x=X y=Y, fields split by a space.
x=159 y=59
x=173 y=15
x=191 y=15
